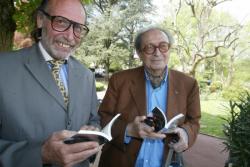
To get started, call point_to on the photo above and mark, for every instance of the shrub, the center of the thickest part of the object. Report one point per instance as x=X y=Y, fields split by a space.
x=233 y=92
x=100 y=86
x=215 y=86
x=237 y=132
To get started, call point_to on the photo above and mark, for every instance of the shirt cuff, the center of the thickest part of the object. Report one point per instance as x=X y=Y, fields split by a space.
x=127 y=138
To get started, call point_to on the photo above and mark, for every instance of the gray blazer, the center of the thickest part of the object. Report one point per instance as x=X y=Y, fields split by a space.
x=32 y=107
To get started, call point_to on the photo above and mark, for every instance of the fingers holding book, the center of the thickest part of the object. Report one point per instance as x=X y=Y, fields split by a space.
x=181 y=144
x=87 y=127
x=139 y=129
x=54 y=151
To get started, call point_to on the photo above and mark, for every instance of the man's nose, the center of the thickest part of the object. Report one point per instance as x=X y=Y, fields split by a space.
x=157 y=52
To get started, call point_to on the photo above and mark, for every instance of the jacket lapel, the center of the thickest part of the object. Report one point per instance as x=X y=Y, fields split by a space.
x=75 y=83
x=138 y=91
x=39 y=69
x=173 y=92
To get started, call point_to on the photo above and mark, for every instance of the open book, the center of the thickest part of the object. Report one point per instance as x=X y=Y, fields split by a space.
x=102 y=136
x=159 y=121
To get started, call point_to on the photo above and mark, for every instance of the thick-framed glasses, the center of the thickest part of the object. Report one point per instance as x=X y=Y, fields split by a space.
x=150 y=48
x=61 y=24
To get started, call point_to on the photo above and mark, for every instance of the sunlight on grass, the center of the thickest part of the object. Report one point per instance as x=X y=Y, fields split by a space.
x=212 y=112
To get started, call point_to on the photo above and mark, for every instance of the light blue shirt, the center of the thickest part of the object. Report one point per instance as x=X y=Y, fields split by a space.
x=151 y=151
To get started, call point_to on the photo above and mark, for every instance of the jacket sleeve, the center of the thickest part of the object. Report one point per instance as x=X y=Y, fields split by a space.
x=191 y=124
x=108 y=109
x=94 y=118
x=21 y=154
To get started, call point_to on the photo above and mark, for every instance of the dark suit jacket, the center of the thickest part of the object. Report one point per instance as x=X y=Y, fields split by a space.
x=126 y=95
x=32 y=107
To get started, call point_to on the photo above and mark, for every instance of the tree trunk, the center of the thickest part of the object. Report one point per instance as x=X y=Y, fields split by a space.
x=7 y=24
x=107 y=68
x=231 y=69
x=131 y=55
x=131 y=48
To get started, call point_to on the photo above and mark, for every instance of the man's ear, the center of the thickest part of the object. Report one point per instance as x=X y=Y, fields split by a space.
x=39 y=20
x=138 y=53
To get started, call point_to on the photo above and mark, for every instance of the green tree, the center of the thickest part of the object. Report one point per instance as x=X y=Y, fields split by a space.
x=112 y=24
x=198 y=35
x=134 y=18
x=7 y=24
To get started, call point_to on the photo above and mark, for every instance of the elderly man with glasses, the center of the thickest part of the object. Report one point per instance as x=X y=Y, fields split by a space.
x=46 y=95
x=135 y=93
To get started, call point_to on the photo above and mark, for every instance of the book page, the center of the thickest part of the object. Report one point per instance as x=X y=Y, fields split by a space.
x=173 y=122
x=159 y=119
x=90 y=135
x=107 y=128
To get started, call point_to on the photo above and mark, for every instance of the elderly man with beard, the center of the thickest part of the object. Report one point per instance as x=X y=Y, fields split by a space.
x=46 y=95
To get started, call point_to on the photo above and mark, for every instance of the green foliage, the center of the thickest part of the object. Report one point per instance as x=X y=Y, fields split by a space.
x=242 y=74
x=198 y=35
x=113 y=25
x=24 y=15
x=87 y=1
x=234 y=91
x=240 y=82
x=174 y=61
x=116 y=66
x=237 y=131
x=215 y=86
x=100 y=86
x=211 y=125
x=204 y=81
x=211 y=113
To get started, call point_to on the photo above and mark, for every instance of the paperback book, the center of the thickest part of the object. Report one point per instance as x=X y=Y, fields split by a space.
x=102 y=136
x=159 y=121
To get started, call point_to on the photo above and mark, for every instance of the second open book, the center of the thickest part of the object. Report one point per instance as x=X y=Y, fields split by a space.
x=102 y=136
x=159 y=121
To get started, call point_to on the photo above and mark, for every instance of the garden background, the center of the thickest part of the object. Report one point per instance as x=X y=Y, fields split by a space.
x=210 y=44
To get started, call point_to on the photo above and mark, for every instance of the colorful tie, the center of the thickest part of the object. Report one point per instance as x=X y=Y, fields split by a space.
x=55 y=69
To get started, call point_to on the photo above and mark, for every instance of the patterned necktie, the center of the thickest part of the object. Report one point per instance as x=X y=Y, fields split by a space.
x=55 y=69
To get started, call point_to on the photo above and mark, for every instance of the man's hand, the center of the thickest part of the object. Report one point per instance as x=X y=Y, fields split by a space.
x=54 y=151
x=182 y=143
x=139 y=129
x=93 y=128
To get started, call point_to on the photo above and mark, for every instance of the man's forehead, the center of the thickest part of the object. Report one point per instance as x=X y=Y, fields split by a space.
x=154 y=35
x=71 y=9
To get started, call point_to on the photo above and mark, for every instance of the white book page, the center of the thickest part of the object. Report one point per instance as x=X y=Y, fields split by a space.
x=91 y=134
x=173 y=122
x=164 y=116
x=107 y=129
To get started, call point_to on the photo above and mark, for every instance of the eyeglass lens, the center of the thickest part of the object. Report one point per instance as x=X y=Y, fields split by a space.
x=62 y=24
x=150 y=49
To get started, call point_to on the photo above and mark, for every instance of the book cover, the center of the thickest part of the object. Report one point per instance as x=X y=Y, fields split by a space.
x=102 y=136
x=159 y=121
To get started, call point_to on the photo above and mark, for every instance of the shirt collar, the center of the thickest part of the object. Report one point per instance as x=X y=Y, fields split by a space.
x=164 y=80
x=45 y=54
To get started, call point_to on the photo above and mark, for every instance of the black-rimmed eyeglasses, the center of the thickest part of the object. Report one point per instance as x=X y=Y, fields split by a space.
x=150 y=48
x=61 y=24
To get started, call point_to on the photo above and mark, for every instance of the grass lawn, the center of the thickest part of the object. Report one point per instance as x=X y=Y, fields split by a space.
x=211 y=113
